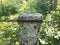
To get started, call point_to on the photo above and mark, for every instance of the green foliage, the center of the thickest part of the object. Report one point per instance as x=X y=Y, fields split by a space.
x=49 y=33
x=8 y=10
x=42 y=6
x=8 y=33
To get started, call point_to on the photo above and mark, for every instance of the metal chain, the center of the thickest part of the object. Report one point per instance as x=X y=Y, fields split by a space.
x=57 y=21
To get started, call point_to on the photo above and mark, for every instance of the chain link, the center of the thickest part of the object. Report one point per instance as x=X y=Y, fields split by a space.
x=57 y=21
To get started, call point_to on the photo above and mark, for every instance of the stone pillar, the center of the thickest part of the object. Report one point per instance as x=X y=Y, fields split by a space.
x=29 y=28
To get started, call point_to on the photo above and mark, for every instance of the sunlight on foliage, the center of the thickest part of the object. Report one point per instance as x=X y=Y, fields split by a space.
x=10 y=9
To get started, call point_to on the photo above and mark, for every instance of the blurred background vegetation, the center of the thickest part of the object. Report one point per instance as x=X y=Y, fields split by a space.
x=10 y=9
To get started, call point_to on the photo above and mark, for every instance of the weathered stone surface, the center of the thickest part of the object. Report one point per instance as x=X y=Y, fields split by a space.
x=30 y=16
x=29 y=31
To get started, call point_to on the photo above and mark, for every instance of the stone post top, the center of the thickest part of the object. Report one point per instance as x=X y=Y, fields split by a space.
x=30 y=16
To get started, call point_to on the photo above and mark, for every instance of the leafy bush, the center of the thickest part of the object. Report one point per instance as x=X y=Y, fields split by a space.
x=8 y=10
x=42 y=6
x=49 y=33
